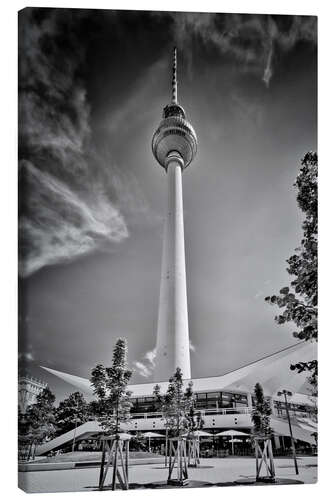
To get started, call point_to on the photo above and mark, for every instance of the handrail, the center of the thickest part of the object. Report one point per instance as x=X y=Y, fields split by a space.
x=210 y=411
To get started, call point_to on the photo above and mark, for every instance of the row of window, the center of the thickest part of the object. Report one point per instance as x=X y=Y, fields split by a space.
x=211 y=400
x=280 y=409
x=203 y=400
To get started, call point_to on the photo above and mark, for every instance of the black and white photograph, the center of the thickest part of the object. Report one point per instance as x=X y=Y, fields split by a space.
x=167 y=250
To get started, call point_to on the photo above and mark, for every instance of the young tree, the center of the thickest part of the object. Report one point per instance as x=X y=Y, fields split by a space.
x=195 y=420
x=110 y=387
x=300 y=303
x=72 y=412
x=176 y=405
x=261 y=413
x=262 y=433
x=113 y=408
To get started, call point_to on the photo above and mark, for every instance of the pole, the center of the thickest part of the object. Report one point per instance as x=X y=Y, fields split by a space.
x=166 y=447
x=291 y=434
x=73 y=445
x=77 y=409
x=101 y=473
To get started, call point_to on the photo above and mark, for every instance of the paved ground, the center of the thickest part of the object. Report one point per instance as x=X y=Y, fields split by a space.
x=213 y=470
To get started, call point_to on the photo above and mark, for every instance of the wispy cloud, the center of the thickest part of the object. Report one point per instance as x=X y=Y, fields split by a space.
x=142 y=369
x=249 y=40
x=58 y=224
x=146 y=365
x=72 y=199
x=268 y=73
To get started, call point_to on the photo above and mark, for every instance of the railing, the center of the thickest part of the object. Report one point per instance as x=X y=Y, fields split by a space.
x=245 y=410
x=294 y=416
x=210 y=411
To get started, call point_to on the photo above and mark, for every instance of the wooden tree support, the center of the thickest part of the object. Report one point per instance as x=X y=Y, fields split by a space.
x=193 y=452
x=178 y=462
x=264 y=455
x=115 y=455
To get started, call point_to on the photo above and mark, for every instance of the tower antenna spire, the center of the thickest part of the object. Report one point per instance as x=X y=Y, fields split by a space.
x=174 y=77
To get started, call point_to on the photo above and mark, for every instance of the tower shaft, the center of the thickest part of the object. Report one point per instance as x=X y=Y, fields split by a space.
x=172 y=330
x=174 y=146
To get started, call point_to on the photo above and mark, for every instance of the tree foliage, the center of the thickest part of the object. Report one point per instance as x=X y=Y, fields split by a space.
x=39 y=423
x=72 y=411
x=110 y=386
x=261 y=413
x=299 y=300
x=178 y=406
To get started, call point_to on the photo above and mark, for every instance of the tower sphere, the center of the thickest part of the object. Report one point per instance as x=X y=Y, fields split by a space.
x=174 y=134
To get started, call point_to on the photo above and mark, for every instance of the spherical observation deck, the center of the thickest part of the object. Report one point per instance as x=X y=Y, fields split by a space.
x=175 y=134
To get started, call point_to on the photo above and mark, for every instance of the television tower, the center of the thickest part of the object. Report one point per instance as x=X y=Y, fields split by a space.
x=174 y=146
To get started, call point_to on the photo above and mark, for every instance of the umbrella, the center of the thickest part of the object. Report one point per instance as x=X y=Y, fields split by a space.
x=201 y=433
x=198 y=434
x=232 y=433
x=150 y=435
x=125 y=435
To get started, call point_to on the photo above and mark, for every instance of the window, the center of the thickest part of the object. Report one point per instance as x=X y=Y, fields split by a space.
x=227 y=400
x=240 y=400
x=213 y=395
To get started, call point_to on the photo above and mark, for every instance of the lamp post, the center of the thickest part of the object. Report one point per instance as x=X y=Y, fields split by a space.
x=166 y=447
x=285 y=394
x=76 y=420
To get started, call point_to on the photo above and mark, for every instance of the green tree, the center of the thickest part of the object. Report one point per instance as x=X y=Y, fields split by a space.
x=299 y=300
x=110 y=386
x=261 y=413
x=177 y=406
x=72 y=411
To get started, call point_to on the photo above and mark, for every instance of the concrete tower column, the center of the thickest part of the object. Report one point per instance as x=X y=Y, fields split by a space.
x=172 y=330
x=174 y=146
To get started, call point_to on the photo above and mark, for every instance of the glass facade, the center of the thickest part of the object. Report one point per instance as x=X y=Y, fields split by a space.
x=204 y=400
x=294 y=410
x=218 y=400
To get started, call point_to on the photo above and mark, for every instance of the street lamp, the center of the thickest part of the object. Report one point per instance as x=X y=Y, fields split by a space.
x=285 y=394
x=76 y=422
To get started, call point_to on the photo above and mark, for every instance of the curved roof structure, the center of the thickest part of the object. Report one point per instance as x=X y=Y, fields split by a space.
x=273 y=372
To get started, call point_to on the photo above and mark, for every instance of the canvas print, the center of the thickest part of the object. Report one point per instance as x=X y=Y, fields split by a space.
x=167 y=250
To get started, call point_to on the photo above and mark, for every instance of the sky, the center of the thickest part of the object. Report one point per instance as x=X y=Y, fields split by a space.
x=92 y=86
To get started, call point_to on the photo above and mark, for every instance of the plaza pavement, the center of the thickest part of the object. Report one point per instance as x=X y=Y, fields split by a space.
x=212 y=470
